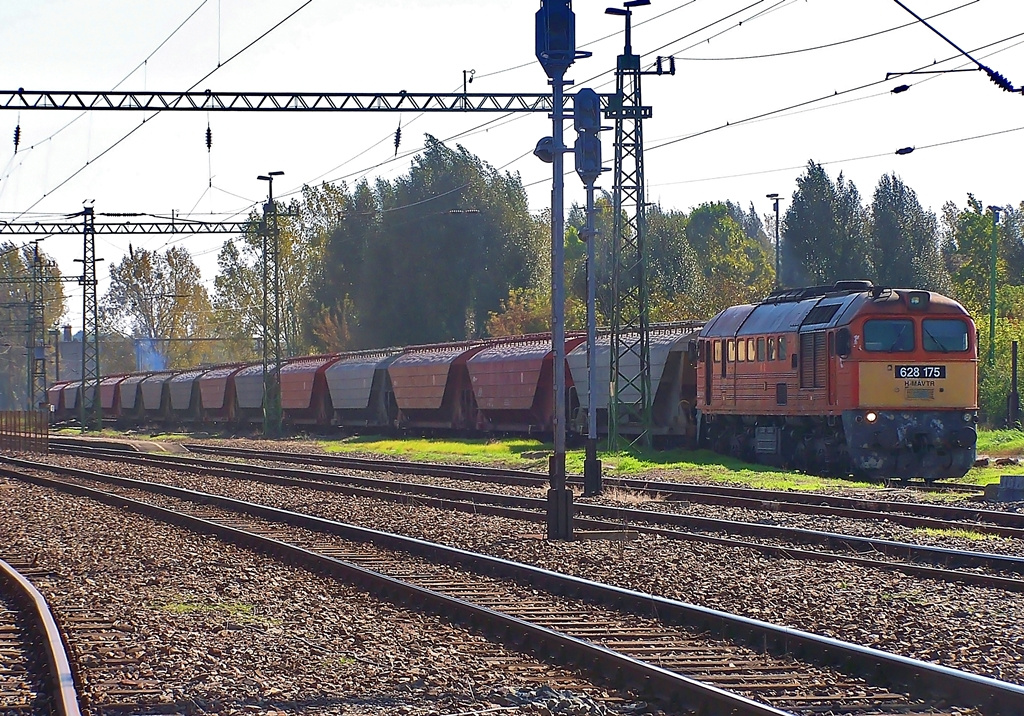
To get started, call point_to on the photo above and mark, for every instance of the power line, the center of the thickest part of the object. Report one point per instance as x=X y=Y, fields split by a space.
x=1001 y=81
x=837 y=93
x=143 y=122
x=123 y=79
x=836 y=161
x=820 y=47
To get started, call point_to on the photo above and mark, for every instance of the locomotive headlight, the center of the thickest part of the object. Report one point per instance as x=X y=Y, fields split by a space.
x=871 y=417
x=968 y=417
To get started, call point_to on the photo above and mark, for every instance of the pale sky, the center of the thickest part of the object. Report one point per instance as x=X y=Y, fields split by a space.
x=424 y=46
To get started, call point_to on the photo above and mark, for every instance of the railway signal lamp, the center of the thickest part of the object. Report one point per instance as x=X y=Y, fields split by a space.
x=587 y=122
x=586 y=111
x=588 y=157
x=556 y=36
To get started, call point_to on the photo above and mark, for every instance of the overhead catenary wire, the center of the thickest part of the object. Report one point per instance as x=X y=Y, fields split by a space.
x=144 y=121
x=125 y=78
x=814 y=48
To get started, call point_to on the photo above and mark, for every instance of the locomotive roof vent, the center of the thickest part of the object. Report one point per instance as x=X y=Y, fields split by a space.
x=860 y=285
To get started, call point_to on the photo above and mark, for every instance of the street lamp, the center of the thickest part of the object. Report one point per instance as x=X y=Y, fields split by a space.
x=271 y=392
x=778 y=257
x=992 y=285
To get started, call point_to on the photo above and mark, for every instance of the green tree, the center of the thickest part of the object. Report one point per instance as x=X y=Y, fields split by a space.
x=825 y=237
x=160 y=297
x=302 y=230
x=734 y=268
x=429 y=256
x=15 y=302
x=904 y=239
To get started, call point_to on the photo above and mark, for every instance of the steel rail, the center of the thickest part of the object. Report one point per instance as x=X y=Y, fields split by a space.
x=59 y=677
x=757 y=499
x=920 y=679
x=923 y=553
x=566 y=649
x=533 y=510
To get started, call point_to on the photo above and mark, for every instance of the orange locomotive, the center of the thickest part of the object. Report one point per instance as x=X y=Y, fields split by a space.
x=844 y=379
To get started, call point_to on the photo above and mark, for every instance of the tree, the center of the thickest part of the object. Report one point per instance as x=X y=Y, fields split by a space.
x=429 y=256
x=904 y=239
x=160 y=297
x=302 y=229
x=733 y=268
x=825 y=237
x=16 y=264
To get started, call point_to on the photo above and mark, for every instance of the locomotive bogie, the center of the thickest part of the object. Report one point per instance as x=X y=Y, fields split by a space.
x=927 y=444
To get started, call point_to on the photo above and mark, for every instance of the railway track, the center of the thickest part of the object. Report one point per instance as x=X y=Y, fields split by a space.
x=904 y=513
x=996 y=571
x=35 y=674
x=703 y=659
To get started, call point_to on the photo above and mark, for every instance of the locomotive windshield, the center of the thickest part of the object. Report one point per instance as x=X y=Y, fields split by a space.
x=944 y=335
x=889 y=335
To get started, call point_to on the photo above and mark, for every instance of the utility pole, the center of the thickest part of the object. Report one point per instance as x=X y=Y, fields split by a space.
x=992 y=286
x=271 y=303
x=556 y=51
x=778 y=256
x=89 y=415
x=36 y=344
x=587 y=122
x=629 y=406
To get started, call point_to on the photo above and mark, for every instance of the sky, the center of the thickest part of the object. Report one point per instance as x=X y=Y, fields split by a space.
x=720 y=128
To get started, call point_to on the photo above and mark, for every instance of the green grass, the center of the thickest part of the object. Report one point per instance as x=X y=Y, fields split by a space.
x=1001 y=443
x=961 y=534
x=240 y=612
x=533 y=454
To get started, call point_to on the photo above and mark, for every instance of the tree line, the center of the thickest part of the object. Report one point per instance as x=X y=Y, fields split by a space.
x=450 y=251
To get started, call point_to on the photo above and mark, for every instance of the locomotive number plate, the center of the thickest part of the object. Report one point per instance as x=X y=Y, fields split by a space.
x=919 y=371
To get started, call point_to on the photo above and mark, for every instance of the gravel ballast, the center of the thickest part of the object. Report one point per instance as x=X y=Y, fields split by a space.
x=970 y=628
x=225 y=630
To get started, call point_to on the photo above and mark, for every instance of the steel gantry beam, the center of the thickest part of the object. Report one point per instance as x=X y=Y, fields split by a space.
x=127 y=228
x=22 y=99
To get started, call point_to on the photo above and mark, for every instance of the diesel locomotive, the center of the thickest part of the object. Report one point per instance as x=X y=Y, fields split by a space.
x=844 y=379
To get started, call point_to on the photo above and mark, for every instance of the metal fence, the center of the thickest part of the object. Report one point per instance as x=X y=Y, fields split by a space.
x=25 y=430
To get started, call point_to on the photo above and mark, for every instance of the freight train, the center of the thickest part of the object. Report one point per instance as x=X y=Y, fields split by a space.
x=844 y=379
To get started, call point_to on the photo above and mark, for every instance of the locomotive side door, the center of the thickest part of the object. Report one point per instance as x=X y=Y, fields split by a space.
x=831 y=361
x=709 y=370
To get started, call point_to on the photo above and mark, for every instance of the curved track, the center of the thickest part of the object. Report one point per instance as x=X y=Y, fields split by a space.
x=633 y=636
x=35 y=674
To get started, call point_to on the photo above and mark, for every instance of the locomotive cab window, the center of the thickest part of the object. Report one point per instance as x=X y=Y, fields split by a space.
x=944 y=335
x=889 y=335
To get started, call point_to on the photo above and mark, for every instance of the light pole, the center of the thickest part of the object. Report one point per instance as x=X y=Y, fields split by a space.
x=992 y=285
x=778 y=257
x=271 y=386
x=556 y=51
